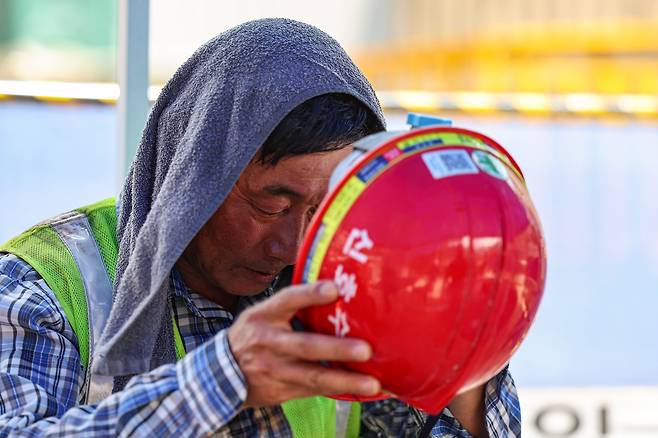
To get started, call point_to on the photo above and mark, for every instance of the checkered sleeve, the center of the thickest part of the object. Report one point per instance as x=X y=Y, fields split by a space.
x=393 y=418
x=503 y=414
x=40 y=376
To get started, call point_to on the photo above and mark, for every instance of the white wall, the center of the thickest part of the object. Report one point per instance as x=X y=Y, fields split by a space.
x=178 y=28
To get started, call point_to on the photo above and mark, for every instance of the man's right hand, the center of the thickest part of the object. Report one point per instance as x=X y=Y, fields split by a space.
x=280 y=364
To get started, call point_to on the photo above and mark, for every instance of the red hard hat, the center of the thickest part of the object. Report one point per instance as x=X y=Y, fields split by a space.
x=439 y=258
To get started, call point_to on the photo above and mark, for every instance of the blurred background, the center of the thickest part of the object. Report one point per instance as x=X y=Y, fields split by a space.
x=570 y=87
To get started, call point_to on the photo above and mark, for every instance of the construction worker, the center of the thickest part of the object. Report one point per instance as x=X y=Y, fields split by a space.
x=156 y=315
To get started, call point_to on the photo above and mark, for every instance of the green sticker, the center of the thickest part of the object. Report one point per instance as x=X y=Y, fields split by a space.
x=489 y=164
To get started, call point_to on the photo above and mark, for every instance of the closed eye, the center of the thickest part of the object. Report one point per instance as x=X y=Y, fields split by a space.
x=312 y=211
x=269 y=213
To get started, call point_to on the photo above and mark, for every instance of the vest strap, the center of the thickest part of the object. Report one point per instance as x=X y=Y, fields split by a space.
x=75 y=232
x=178 y=339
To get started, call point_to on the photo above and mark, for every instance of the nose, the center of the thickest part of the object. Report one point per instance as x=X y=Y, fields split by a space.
x=286 y=237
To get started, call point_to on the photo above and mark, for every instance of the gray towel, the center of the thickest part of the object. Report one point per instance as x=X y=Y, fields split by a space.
x=203 y=130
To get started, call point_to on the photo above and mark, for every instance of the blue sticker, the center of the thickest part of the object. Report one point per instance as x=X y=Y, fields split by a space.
x=372 y=168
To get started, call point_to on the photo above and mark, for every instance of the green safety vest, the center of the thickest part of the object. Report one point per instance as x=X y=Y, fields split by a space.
x=76 y=255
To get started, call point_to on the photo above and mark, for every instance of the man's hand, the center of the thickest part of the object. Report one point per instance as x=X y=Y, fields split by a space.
x=280 y=364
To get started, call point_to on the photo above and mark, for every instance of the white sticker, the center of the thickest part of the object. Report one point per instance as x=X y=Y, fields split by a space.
x=449 y=162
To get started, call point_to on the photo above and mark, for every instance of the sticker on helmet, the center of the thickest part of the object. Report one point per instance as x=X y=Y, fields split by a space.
x=489 y=164
x=449 y=162
x=372 y=169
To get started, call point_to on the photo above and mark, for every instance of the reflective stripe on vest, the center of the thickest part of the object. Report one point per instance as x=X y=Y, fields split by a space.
x=77 y=235
x=343 y=409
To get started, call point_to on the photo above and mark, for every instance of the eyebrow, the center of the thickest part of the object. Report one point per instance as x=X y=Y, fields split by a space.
x=282 y=190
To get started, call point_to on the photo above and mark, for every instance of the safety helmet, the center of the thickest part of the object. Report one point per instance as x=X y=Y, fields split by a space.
x=438 y=255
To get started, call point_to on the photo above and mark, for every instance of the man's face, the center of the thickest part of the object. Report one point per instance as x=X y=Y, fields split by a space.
x=259 y=227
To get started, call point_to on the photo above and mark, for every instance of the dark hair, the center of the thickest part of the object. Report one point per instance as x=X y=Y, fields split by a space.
x=324 y=123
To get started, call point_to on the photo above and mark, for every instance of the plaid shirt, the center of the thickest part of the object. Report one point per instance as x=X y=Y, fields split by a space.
x=41 y=376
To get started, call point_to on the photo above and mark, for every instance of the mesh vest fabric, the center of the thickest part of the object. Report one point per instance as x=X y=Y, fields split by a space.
x=103 y=221
x=43 y=249
x=321 y=413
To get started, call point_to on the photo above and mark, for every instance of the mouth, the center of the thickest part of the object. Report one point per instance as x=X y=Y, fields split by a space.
x=263 y=276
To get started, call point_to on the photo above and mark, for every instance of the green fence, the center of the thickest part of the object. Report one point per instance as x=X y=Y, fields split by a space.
x=78 y=31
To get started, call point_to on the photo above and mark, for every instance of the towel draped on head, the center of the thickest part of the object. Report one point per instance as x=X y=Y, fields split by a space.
x=207 y=124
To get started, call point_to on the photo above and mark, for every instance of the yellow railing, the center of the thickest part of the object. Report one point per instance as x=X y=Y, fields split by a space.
x=620 y=57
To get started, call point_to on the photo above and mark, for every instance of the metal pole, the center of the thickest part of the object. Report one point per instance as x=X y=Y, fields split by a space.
x=133 y=105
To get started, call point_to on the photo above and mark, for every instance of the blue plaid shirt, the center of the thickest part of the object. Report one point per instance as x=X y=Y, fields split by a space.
x=202 y=394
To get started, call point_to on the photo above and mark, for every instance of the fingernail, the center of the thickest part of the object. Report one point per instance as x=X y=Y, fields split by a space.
x=362 y=352
x=370 y=387
x=328 y=289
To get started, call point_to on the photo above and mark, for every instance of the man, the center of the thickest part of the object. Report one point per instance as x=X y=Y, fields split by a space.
x=234 y=160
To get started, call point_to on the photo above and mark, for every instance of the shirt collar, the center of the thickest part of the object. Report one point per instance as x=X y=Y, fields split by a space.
x=208 y=309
